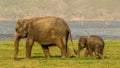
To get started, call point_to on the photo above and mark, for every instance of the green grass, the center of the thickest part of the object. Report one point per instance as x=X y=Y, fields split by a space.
x=112 y=51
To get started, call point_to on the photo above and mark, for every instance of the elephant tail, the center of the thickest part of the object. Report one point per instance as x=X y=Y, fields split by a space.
x=72 y=43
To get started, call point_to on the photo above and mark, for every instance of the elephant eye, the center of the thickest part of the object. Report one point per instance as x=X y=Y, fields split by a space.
x=17 y=30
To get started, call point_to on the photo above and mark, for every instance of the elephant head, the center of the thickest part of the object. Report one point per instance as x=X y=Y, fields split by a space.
x=81 y=44
x=21 y=31
x=22 y=27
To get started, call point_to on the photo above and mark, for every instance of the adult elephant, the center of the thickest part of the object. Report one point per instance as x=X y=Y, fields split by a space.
x=46 y=31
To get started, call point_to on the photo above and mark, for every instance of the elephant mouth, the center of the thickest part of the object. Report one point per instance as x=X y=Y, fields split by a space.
x=24 y=35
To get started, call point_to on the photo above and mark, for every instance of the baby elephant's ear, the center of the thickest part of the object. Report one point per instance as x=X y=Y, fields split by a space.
x=83 y=45
x=85 y=42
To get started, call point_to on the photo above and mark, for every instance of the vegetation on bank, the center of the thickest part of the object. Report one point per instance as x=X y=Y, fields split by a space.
x=112 y=51
x=68 y=9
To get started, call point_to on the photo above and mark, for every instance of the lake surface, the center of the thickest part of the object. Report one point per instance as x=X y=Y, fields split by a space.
x=105 y=29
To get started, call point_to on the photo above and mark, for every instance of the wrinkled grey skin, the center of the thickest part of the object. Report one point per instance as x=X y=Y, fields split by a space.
x=92 y=44
x=47 y=31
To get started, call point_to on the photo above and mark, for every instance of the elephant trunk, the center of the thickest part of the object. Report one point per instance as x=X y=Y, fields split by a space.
x=16 y=44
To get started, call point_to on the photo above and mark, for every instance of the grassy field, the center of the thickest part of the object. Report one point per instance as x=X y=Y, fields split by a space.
x=112 y=51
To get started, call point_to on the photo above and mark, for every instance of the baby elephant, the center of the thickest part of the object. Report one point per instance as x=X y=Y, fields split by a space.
x=92 y=43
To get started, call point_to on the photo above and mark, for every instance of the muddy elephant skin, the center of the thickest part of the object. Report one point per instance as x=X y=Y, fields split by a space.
x=46 y=31
x=92 y=44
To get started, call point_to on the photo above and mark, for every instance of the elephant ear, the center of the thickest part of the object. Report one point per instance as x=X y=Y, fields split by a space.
x=18 y=25
x=83 y=41
x=26 y=23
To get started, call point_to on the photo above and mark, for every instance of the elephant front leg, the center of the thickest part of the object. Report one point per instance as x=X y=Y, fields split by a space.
x=46 y=51
x=90 y=49
x=16 y=43
x=29 y=44
x=90 y=52
x=86 y=53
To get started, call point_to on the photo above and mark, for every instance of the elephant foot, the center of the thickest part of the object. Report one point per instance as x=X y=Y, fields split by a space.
x=47 y=56
x=15 y=58
x=70 y=56
x=63 y=56
x=103 y=57
x=28 y=57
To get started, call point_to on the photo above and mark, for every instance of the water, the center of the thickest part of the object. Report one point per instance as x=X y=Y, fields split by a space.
x=105 y=29
x=7 y=30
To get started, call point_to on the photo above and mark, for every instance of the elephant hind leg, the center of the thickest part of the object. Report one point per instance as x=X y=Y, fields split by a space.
x=46 y=51
x=62 y=46
x=68 y=51
x=99 y=53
